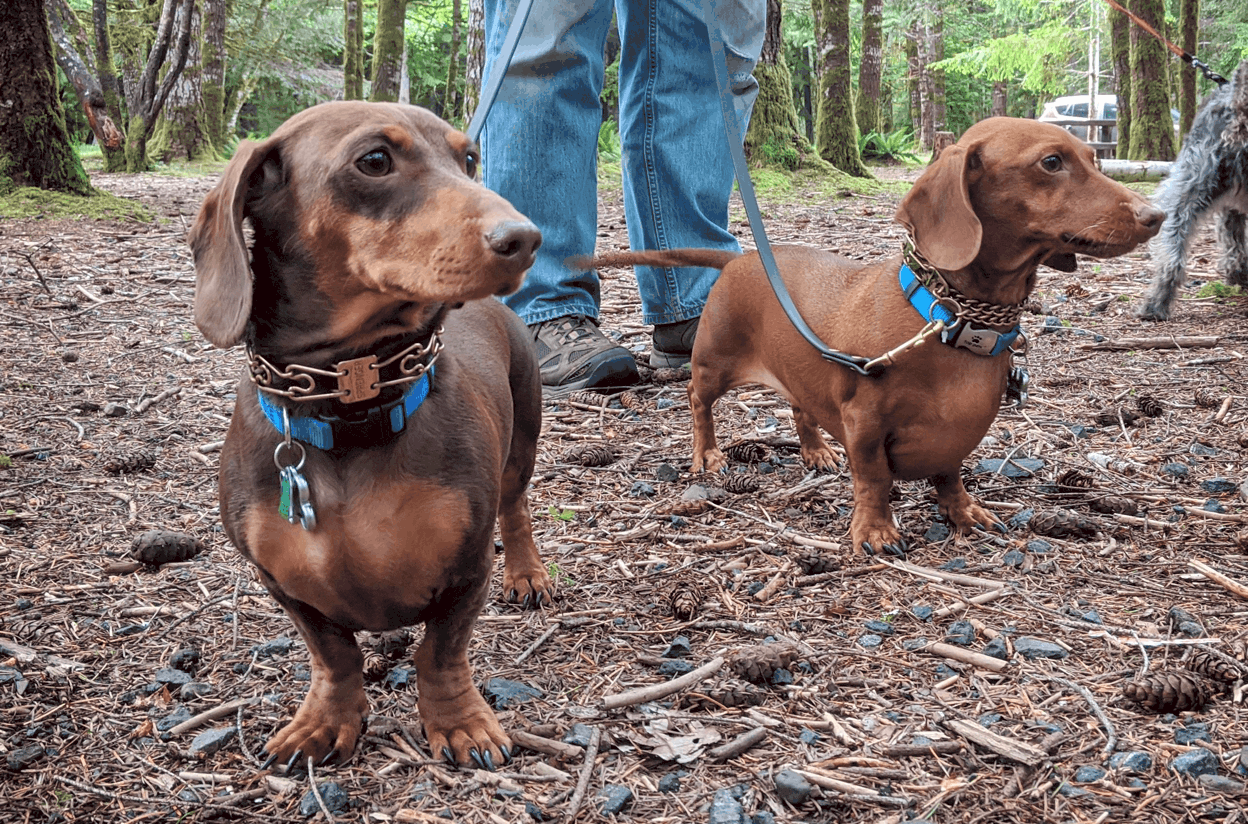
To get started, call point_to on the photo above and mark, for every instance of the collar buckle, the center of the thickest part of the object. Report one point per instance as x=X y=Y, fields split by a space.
x=356 y=379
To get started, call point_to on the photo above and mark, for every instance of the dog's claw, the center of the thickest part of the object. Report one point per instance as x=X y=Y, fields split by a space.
x=489 y=760
x=476 y=758
x=1000 y=527
x=506 y=754
x=329 y=756
x=294 y=760
x=514 y=596
x=528 y=600
x=895 y=549
x=448 y=755
x=867 y=548
x=268 y=762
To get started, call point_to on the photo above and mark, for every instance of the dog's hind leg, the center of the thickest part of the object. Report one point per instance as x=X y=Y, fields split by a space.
x=1234 y=244
x=958 y=506
x=1169 y=251
x=817 y=453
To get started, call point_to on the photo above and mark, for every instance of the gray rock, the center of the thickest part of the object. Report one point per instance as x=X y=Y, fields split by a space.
x=1219 y=486
x=1069 y=791
x=1191 y=733
x=1089 y=773
x=1033 y=648
x=206 y=743
x=173 y=719
x=1203 y=450
x=1212 y=505
x=678 y=648
x=1131 y=761
x=989 y=718
x=641 y=489
x=23 y=757
x=669 y=783
x=1221 y=784
x=335 y=798
x=1013 y=558
x=726 y=809
x=793 y=788
x=1195 y=762
x=173 y=677
x=1011 y=468
x=936 y=533
x=579 y=735
x=762 y=817
x=1037 y=546
x=997 y=649
x=1176 y=470
x=115 y=410
x=1021 y=519
x=870 y=641
x=613 y=798
x=914 y=644
x=278 y=646
x=961 y=633
x=503 y=694
x=193 y=690
x=667 y=472
x=674 y=667
x=923 y=613
x=186 y=659
x=881 y=627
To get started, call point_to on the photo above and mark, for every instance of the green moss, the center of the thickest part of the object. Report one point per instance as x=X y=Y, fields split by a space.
x=29 y=203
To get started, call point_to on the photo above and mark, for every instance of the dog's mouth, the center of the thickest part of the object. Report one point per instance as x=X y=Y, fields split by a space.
x=1095 y=248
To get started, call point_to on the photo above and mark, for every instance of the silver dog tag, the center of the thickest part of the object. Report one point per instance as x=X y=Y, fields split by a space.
x=296 y=501
x=1016 y=387
x=977 y=339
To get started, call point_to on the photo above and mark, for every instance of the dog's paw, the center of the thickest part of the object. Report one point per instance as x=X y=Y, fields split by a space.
x=530 y=586
x=711 y=460
x=883 y=541
x=465 y=732
x=969 y=515
x=323 y=730
x=823 y=457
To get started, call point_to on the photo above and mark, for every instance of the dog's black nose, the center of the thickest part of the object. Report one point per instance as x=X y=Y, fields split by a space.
x=1149 y=216
x=514 y=239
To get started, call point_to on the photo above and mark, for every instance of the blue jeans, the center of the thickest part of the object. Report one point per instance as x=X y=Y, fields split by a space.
x=540 y=141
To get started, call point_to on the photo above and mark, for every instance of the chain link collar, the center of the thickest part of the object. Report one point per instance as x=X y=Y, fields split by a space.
x=353 y=381
x=963 y=306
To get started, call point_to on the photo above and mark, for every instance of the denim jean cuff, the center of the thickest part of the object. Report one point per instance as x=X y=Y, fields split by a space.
x=678 y=316
x=563 y=310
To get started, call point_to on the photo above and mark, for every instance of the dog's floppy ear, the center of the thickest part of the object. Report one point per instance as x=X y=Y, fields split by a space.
x=938 y=214
x=223 y=280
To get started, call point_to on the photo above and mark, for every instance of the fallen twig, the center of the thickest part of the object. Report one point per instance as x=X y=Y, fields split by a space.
x=1111 y=737
x=738 y=745
x=1218 y=578
x=966 y=656
x=1007 y=747
x=546 y=746
x=656 y=691
x=1171 y=342
x=587 y=769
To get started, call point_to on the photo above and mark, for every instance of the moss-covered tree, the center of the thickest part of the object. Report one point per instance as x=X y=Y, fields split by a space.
x=34 y=143
x=868 y=108
x=1120 y=48
x=836 y=133
x=73 y=55
x=353 y=49
x=388 y=49
x=183 y=130
x=1152 y=130
x=474 y=57
x=774 y=137
x=1189 y=26
x=213 y=82
x=450 y=99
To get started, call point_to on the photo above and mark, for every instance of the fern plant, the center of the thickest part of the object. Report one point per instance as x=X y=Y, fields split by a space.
x=896 y=146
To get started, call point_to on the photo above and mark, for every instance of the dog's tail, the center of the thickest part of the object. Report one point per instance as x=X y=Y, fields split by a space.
x=711 y=258
x=1236 y=133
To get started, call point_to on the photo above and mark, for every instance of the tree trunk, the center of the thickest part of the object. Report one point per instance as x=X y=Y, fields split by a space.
x=1120 y=49
x=914 y=92
x=1152 y=130
x=774 y=137
x=73 y=55
x=836 y=134
x=1000 y=98
x=927 y=91
x=936 y=54
x=114 y=158
x=450 y=99
x=869 y=108
x=405 y=81
x=34 y=143
x=388 y=49
x=182 y=131
x=353 y=50
x=474 y=57
x=213 y=82
x=1189 y=28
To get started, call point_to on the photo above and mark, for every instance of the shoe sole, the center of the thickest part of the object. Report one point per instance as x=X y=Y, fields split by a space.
x=614 y=373
x=668 y=360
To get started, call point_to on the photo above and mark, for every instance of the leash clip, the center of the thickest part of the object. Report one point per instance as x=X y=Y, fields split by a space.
x=1019 y=380
x=295 y=502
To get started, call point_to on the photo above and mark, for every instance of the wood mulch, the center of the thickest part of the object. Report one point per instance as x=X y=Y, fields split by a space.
x=113 y=407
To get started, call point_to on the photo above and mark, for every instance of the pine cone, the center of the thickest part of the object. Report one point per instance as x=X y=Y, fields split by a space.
x=590 y=454
x=1205 y=663
x=588 y=398
x=375 y=665
x=1073 y=480
x=684 y=600
x=382 y=650
x=741 y=484
x=1113 y=504
x=1150 y=406
x=1062 y=523
x=814 y=562
x=633 y=401
x=36 y=632
x=1170 y=691
x=130 y=462
x=1242 y=439
x=1208 y=398
x=1109 y=416
x=1241 y=541
x=669 y=375
x=757 y=663
x=746 y=452
x=157 y=546
x=729 y=693
x=690 y=508
x=1075 y=289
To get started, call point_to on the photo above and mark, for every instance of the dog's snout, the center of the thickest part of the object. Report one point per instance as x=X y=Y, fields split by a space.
x=514 y=239
x=1149 y=216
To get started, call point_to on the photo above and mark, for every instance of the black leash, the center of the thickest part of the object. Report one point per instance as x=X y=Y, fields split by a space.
x=732 y=128
x=498 y=72
x=1188 y=58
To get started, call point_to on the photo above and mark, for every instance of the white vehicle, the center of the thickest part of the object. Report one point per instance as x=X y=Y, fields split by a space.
x=1075 y=107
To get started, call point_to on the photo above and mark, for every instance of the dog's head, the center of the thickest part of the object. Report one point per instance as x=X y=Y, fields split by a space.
x=1013 y=193
x=356 y=206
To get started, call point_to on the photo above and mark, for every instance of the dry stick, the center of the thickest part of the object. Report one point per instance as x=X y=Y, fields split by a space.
x=213 y=714
x=869 y=796
x=832 y=783
x=946 y=577
x=320 y=802
x=1172 y=342
x=978 y=600
x=547 y=746
x=966 y=656
x=934 y=748
x=1009 y=748
x=587 y=769
x=144 y=405
x=1111 y=737
x=168 y=802
x=188 y=616
x=738 y=745
x=657 y=691
x=1219 y=579
x=1226 y=407
x=716 y=546
x=543 y=638
x=775 y=583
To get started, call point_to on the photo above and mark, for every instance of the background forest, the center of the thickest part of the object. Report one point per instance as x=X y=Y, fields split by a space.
x=841 y=80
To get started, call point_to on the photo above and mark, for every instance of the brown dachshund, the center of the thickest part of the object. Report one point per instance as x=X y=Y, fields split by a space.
x=1010 y=195
x=360 y=477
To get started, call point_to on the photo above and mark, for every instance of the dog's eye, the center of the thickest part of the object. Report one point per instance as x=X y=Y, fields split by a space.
x=1052 y=163
x=376 y=163
x=470 y=164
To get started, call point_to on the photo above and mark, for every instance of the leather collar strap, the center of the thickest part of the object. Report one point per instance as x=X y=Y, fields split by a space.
x=370 y=427
x=958 y=331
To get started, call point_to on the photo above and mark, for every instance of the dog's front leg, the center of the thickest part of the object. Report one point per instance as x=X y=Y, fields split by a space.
x=871 y=528
x=330 y=720
x=459 y=725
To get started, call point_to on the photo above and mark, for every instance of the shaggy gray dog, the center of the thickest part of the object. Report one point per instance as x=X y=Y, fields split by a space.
x=1210 y=177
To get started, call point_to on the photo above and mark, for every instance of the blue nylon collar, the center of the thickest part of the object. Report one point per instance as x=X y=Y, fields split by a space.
x=958 y=332
x=320 y=433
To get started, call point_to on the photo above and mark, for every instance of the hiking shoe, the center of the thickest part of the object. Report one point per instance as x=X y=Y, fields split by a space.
x=673 y=343
x=574 y=354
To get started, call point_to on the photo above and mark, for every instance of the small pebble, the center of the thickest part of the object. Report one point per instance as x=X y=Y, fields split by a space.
x=535 y=812
x=1131 y=761
x=173 y=677
x=667 y=473
x=613 y=798
x=1196 y=762
x=809 y=737
x=664 y=403
x=961 y=633
x=1092 y=617
x=678 y=648
x=936 y=533
x=1021 y=519
x=1033 y=648
x=1221 y=784
x=193 y=690
x=504 y=694
x=1013 y=558
x=1192 y=732
x=1176 y=470
x=23 y=757
x=780 y=677
x=725 y=809
x=997 y=649
x=335 y=798
x=1214 y=506
x=1038 y=546
x=173 y=719
x=881 y=627
x=186 y=659
x=953 y=565
x=675 y=667
x=1218 y=486
x=870 y=641
x=989 y=718
x=923 y=613
x=579 y=735
x=210 y=741
x=669 y=783
x=793 y=788
x=115 y=410
x=278 y=646
x=641 y=489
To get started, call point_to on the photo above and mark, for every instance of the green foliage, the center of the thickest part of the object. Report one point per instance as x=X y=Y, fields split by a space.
x=781 y=153
x=560 y=514
x=28 y=203
x=609 y=142
x=895 y=146
x=1037 y=59
x=6 y=462
x=1218 y=289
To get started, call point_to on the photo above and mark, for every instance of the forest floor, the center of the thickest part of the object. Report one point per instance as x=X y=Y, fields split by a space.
x=113 y=407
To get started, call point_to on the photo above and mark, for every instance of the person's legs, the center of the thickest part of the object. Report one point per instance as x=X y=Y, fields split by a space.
x=677 y=169
x=539 y=151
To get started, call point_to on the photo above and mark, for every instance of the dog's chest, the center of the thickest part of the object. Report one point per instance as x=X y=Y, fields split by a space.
x=377 y=558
